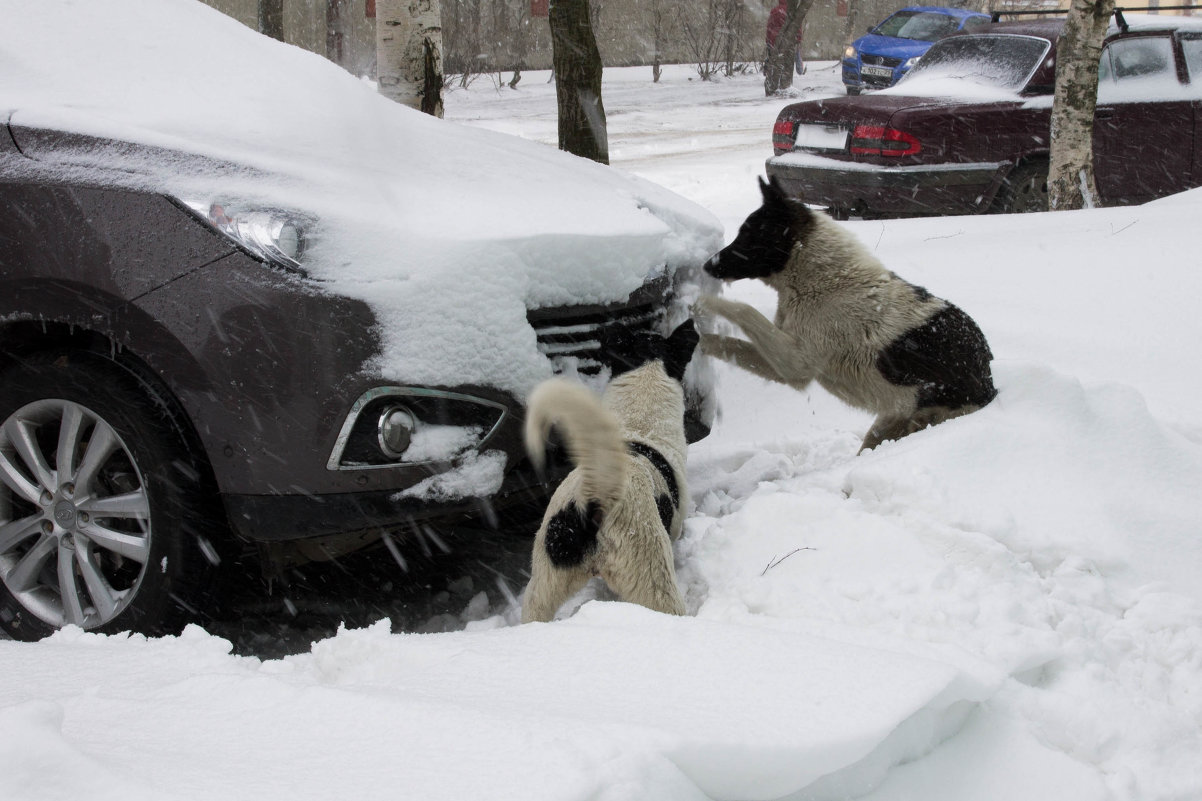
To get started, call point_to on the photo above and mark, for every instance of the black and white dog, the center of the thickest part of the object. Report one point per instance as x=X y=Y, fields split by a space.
x=868 y=337
x=616 y=514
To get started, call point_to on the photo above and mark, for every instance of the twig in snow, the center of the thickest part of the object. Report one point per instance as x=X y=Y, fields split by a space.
x=778 y=560
x=945 y=236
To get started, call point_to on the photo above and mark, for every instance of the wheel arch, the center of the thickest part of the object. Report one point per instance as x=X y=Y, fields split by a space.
x=25 y=337
x=997 y=191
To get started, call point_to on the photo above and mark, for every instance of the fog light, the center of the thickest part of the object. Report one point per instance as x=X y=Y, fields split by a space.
x=395 y=431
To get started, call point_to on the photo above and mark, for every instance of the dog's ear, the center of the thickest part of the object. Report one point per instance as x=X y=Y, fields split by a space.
x=678 y=349
x=766 y=188
x=772 y=191
x=776 y=196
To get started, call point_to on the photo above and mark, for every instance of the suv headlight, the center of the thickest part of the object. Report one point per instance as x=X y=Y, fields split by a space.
x=910 y=62
x=849 y=52
x=273 y=235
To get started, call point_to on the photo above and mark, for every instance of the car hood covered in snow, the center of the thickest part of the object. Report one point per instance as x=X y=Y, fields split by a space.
x=450 y=233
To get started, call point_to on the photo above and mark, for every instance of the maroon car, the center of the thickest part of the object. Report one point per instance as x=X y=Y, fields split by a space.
x=968 y=130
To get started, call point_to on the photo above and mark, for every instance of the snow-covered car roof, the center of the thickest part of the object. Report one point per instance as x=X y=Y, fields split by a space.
x=451 y=233
x=1156 y=22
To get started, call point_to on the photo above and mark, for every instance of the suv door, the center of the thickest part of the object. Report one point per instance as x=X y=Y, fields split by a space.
x=1142 y=109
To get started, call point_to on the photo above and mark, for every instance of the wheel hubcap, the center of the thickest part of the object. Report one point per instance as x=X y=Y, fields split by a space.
x=74 y=515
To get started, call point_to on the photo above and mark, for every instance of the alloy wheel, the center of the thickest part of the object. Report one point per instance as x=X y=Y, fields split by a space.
x=75 y=531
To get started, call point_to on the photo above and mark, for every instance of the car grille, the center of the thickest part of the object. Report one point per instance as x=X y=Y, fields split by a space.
x=571 y=336
x=880 y=61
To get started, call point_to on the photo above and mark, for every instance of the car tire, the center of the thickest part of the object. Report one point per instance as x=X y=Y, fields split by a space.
x=1024 y=189
x=119 y=539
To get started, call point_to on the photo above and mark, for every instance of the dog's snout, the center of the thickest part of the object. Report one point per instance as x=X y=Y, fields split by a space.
x=713 y=265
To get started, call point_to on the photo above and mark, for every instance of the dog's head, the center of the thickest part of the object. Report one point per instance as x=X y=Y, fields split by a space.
x=629 y=350
x=766 y=239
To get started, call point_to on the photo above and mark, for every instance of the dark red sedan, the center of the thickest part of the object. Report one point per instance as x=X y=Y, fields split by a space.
x=967 y=131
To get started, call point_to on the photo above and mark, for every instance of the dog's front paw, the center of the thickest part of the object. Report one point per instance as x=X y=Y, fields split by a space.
x=714 y=345
x=709 y=307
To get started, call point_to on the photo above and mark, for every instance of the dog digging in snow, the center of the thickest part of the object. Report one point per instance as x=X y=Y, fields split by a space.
x=616 y=514
x=868 y=337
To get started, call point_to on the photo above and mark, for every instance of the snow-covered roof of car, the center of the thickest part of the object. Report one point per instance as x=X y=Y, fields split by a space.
x=1158 y=22
x=450 y=232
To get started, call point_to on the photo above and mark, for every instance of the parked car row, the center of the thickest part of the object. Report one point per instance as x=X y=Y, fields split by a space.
x=968 y=129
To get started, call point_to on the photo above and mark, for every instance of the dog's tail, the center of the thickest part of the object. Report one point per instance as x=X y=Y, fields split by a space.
x=591 y=432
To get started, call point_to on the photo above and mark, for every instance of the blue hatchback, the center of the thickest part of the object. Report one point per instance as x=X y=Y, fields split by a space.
x=890 y=49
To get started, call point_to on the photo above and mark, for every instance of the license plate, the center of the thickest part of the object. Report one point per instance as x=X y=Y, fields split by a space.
x=821 y=137
x=877 y=72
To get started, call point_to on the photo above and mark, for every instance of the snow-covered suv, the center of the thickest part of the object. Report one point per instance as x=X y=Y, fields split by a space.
x=244 y=296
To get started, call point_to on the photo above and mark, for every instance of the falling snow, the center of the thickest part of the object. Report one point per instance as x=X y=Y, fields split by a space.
x=1005 y=606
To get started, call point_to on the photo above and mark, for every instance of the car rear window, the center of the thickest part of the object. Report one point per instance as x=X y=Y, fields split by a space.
x=1002 y=61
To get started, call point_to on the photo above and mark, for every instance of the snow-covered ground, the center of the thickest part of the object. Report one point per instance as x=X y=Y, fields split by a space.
x=1005 y=606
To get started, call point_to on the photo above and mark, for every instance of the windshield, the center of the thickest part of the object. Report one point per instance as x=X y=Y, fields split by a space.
x=1005 y=62
x=925 y=26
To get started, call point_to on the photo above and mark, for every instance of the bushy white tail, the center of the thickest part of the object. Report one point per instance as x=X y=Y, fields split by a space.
x=591 y=432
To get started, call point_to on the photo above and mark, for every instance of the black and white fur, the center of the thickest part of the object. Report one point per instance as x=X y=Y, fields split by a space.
x=616 y=513
x=868 y=337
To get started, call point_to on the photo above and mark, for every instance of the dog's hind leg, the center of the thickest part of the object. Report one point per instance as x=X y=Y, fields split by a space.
x=549 y=588
x=894 y=428
x=644 y=575
x=887 y=428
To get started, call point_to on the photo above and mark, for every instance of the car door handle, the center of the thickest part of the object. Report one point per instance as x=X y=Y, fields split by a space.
x=1103 y=113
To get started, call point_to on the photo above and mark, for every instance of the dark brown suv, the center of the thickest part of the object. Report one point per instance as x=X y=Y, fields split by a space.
x=173 y=379
x=967 y=131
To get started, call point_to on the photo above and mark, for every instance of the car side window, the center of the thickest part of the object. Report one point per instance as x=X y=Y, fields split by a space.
x=1137 y=69
x=1139 y=58
x=1192 y=48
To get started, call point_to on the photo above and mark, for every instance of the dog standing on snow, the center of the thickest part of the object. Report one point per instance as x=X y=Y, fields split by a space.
x=865 y=335
x=616 y=513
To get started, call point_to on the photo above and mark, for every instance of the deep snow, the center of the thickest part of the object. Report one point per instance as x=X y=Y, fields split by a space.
x=1005 y=606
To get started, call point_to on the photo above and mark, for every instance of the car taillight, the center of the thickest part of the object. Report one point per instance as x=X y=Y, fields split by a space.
x=784 y=133
x=878 y=140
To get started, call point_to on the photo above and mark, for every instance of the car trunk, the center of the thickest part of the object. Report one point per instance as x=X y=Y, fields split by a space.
x=827 y=127
x=895 y=130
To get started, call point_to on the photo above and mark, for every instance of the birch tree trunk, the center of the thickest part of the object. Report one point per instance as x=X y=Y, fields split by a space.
x=782 y=56
x=577 y=64
x=1070 y=173
x=409 y=53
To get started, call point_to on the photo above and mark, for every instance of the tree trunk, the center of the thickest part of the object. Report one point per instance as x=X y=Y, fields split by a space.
x=577 y=68
x=782 y=56
x=271 y=18
x=658 y=24
x=409 y=53
x=1070 y=174
x=338 y=26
